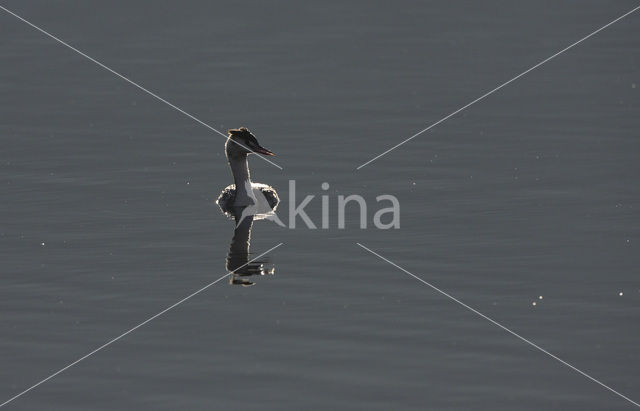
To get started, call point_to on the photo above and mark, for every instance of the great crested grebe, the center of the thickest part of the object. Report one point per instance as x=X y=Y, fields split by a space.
x=243 y=192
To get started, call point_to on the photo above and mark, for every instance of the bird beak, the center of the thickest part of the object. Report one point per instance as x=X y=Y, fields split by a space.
x=262 y=150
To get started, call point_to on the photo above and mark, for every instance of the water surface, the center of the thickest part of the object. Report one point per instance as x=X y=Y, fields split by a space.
x=108 y=212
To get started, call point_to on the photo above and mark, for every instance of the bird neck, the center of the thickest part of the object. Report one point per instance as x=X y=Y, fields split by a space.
x=240 y=170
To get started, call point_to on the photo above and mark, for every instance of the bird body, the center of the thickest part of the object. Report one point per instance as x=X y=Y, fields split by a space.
x=226 y=199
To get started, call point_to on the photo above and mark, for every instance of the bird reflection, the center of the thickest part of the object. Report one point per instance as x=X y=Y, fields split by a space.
x=238 y=259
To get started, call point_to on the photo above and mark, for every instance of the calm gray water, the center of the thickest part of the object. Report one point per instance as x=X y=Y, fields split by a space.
x=108 y=215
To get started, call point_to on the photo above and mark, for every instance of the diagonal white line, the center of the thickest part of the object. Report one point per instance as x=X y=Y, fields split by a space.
x=495 y=89
x=152 y=94
x=500 y=325
x=132 y=329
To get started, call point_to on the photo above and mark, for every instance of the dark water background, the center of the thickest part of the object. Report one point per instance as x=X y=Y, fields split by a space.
x=108 y=215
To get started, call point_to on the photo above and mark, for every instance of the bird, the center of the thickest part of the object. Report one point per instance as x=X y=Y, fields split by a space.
x=244 y=194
